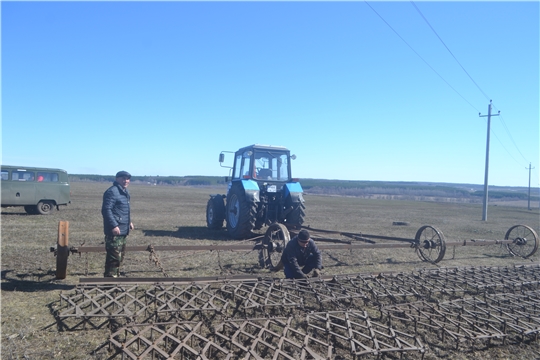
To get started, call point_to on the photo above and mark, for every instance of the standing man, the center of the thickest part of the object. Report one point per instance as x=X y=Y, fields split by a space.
x=116 y=222
x=300 y=256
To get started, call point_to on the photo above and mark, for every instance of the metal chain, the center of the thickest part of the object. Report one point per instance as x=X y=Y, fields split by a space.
x=85 y=258
x=219 y=262
x=155 y=258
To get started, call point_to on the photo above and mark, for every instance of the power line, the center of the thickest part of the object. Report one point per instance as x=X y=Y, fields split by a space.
x=529 y=192
x=500 y=142
x=475 y=83
x=427 y=22
x=431 y=67
x=462 y=67
x=511 y=138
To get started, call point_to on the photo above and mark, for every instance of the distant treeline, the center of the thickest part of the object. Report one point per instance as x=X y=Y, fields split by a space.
x=389 y=189
x=157 y=180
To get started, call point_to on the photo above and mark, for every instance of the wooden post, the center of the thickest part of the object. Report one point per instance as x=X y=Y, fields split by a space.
x=62 y=249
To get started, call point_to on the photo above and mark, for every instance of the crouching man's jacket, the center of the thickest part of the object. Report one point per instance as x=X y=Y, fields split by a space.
x=295 y=256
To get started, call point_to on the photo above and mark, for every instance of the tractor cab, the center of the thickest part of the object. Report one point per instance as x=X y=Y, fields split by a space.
x=262 y=164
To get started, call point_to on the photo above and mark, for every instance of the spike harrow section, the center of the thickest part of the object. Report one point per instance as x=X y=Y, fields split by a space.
x=333 y=335
x=346 y=316
x=488 y=317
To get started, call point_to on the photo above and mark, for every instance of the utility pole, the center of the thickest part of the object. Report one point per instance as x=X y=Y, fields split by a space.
x=529 y=201
x=484 y=212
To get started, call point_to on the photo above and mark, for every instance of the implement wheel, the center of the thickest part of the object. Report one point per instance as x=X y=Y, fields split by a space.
x=525 y=241
x=276 y=238
x=431 y=245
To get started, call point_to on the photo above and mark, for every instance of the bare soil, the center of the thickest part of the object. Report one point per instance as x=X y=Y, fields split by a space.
x=176 y=216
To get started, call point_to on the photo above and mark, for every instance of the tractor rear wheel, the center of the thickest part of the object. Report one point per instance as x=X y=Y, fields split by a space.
x=240 y=214
x=215 y=212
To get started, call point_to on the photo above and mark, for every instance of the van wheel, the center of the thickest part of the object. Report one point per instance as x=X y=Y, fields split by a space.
x=30 y=209
x=45 y=207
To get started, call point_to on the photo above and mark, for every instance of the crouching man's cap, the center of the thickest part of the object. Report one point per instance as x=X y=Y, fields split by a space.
x=303 y=236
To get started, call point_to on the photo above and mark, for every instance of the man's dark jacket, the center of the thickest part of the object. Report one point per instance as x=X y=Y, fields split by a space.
x=115 y=210
x=295 y=256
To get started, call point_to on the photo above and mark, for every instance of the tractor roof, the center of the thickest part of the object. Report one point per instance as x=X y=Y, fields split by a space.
x=264 y=147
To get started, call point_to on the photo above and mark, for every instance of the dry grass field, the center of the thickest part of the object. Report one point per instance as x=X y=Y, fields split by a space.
x=176 y=216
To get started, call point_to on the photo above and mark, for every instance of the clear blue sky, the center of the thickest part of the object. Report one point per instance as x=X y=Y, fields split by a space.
x=358 y=91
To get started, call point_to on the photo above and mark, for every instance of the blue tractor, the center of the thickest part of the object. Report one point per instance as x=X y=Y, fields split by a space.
x=261 y=192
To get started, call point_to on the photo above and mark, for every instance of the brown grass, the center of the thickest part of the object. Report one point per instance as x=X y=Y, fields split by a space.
x=176 y=216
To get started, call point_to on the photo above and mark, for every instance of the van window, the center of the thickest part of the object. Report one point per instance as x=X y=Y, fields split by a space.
x=22 y=176
x=5 y=175
x=47 y=177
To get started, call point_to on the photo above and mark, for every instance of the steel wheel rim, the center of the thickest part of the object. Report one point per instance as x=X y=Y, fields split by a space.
x=431 y=246
x=274 y=255
x=525 y=241
x=276 y=238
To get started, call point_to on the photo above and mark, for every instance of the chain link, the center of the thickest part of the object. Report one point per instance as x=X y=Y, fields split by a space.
x=85 y=258
x=155 y=258
x=86 y=265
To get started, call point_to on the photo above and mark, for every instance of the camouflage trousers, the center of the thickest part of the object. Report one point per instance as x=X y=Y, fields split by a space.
x=116 y=249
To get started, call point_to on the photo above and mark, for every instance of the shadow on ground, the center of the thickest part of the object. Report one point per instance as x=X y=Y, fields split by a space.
x=193 y=233
x=28 y=283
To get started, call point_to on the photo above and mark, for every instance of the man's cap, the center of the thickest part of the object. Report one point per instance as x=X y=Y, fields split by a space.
x=303 y=236
x=123 y=174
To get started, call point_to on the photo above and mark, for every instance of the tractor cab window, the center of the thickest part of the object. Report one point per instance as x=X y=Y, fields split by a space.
x=242 y=166
x=271 y=166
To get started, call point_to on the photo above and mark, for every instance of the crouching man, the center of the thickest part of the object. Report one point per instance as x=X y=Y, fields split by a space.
x=301 y=256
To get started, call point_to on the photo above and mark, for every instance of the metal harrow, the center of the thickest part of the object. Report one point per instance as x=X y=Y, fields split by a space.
x=429 y=243
x=347 y=316
x=328 y=335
